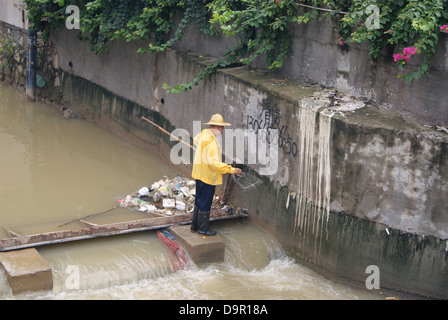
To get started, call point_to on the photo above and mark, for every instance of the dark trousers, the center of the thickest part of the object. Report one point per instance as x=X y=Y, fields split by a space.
x=204 y=195
x=203 y=203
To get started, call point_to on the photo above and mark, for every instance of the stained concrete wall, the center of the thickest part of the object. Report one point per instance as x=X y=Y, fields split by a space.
x=317 y=57
x=353 y=70
x=356 y=185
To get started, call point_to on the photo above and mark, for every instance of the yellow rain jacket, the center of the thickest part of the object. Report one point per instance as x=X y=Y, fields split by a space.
x=207 y=165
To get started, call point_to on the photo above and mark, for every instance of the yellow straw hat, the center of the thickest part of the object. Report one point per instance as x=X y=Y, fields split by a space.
x=217 y=120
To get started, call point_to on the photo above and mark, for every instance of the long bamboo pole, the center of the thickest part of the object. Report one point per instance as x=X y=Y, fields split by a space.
x=168 y=133
x=88 y=216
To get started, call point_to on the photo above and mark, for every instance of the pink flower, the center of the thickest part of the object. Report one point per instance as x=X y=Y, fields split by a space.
x=444 y=28
x=410 y=51
x=340 y=42
x=389 y=31
x=413 y=50
x=407 y=53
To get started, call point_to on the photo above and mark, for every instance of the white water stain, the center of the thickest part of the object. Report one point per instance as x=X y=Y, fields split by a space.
x=313 y=185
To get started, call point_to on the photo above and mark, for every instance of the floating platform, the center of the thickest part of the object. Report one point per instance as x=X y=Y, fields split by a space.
x=91 y=230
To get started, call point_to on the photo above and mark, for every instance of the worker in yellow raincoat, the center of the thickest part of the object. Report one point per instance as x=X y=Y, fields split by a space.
x=208 y=170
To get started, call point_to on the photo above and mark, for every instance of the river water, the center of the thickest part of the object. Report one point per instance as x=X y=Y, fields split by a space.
x=55 y=169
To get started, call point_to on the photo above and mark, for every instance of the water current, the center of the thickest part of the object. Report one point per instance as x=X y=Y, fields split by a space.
x=55 y=169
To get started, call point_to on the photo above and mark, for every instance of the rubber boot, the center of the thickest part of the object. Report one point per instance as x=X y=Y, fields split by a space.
x=203 y=220
x=194 y=220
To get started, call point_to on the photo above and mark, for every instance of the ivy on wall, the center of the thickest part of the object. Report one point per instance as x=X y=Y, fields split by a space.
x=410 y=27
x=261 y=27
x=12 y=59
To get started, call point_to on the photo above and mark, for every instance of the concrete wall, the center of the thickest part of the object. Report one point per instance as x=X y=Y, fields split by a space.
x=356 y=185
x=317 y=57
x=353 y=70
x=13 y=13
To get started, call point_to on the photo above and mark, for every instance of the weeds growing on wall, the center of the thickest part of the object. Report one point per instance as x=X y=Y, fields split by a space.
x=261 y=27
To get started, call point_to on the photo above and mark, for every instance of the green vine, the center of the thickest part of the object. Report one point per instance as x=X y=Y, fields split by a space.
x=401 y=25
x=261 y=27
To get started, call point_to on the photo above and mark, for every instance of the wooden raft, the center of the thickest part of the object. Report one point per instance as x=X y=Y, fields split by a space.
x=17 y=241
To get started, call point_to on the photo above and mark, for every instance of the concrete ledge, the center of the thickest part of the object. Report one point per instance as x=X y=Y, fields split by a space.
x=26 y=270
x=200 y=248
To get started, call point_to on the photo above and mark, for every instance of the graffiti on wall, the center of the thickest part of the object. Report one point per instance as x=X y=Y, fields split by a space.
x=269 y=119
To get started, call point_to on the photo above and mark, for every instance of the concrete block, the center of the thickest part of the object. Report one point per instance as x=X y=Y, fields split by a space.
x=26 y=270
x=200 y=248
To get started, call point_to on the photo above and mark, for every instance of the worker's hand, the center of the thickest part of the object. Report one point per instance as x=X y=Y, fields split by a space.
x=238 y=171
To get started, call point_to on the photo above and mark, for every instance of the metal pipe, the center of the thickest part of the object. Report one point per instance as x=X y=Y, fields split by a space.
x=31 y=44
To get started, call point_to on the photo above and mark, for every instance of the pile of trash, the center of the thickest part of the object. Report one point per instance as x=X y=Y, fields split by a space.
x=164 y=196
x=170 y=197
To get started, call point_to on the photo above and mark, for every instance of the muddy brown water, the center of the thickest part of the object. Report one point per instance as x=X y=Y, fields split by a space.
x=55 y=169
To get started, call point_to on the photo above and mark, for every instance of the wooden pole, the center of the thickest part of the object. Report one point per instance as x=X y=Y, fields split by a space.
x=168 y=133
x=228 y=187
